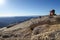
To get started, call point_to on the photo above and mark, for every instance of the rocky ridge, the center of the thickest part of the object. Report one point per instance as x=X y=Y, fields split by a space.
x=40 y=28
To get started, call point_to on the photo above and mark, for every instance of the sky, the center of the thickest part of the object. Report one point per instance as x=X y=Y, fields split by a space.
x=28 y=7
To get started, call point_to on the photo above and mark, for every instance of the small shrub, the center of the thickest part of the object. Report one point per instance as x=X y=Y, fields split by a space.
x=5 y=36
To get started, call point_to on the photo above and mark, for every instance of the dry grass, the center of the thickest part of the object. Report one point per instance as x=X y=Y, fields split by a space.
x=44 y=28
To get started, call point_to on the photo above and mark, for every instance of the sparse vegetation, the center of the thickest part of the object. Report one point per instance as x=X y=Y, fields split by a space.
x=44 y=28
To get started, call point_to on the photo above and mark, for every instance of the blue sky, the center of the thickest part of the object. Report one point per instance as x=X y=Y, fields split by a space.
x=28 y=7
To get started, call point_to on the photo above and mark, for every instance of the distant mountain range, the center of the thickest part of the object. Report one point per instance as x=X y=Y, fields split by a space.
x=5 y=21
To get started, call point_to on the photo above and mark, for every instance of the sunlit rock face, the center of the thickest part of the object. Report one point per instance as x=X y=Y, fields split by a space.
x=40 y=28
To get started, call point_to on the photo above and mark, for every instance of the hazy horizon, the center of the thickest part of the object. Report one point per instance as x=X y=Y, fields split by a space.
x=11 y=8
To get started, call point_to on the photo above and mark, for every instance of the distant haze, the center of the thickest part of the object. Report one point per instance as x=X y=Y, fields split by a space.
x=10 y=8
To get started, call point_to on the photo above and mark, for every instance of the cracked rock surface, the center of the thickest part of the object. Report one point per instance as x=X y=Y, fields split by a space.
x=44 y=28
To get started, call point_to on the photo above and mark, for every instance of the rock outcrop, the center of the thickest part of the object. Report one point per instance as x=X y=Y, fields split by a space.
x=40 y=28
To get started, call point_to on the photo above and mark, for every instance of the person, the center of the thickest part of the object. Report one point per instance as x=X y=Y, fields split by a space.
x=52 y=12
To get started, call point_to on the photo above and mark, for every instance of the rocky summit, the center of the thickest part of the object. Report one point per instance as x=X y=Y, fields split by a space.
x=40 y=28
